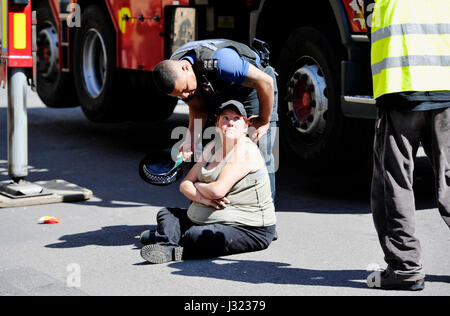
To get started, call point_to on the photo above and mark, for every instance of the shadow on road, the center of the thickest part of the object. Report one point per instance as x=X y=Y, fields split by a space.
x=110 y=236
x=259 y=272
x=225 y=268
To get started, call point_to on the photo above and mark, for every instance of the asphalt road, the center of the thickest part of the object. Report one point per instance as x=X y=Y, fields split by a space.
x=326 y=243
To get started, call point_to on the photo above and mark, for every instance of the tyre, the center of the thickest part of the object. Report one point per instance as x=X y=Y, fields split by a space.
x=312 y=127
x=97 y=79
x=148 y=103
x=55 y=88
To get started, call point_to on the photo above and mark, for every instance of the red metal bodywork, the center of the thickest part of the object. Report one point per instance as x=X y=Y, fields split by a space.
x=355 y=14
x=11 y=56
x=140 y=42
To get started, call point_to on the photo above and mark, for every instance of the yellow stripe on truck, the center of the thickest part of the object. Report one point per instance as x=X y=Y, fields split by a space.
x=20 y=31
x=5 y=24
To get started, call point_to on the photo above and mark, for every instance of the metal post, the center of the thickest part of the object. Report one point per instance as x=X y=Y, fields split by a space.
x=18 y=139
x=18 y=61
x=17 y=125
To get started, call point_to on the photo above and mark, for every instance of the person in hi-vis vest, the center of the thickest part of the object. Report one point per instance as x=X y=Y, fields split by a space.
x=410 y=58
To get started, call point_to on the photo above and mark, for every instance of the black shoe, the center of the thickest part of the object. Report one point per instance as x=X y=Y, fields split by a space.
x=275 y=237
x=147 y=237
x=389 y=281
x=156 y=253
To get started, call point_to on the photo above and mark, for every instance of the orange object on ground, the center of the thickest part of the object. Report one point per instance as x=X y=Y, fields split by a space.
x=48 y=220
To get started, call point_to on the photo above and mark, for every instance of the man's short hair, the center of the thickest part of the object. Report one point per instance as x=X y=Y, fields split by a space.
x=165 y=75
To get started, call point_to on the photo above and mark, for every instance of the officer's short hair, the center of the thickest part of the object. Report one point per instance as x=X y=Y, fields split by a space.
x=165 y=75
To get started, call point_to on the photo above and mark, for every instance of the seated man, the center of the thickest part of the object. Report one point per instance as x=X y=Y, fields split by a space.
x=232 y=210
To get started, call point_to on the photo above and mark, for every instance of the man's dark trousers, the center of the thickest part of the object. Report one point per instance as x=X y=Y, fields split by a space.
x=397 y=139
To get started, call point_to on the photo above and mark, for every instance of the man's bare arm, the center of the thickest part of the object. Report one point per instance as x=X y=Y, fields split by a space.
x=197 y=119
x=264 y=85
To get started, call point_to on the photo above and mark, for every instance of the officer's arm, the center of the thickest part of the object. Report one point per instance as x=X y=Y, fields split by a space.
x=197 y=120
x=197 y=111
x=264 y=85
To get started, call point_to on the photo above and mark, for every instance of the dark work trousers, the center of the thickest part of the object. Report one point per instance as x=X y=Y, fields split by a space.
x=268 y=144
x=208 y=241
x=397 y=139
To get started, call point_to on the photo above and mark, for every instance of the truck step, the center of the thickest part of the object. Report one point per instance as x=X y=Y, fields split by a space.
x=360 y=99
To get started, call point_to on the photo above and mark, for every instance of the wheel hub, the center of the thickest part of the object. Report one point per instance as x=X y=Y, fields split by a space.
x=48 y=56
x=94 y=63
x=307 y=101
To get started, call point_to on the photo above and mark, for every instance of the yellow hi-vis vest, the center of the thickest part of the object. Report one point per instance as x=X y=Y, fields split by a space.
x=410 y=46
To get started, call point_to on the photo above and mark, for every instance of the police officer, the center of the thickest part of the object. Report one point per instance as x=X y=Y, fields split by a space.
x=411 y=81
x=207 y=73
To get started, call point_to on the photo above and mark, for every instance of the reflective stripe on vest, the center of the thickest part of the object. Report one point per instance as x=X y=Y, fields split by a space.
x=410 y=46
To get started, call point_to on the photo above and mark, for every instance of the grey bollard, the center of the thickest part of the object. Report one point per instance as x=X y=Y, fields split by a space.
x=17 y=124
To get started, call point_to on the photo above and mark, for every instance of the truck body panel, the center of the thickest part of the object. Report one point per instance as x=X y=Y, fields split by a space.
x=147 y=31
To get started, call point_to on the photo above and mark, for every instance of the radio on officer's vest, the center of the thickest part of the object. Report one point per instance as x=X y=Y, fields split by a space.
x=263 y=51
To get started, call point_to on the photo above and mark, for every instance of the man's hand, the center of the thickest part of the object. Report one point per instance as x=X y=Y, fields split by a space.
x=265 y=86
x=260 y=127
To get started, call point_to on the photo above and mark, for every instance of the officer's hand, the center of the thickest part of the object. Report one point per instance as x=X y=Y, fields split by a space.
x=258 y=128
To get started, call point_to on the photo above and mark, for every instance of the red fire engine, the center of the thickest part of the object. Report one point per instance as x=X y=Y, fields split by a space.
x=99 y=54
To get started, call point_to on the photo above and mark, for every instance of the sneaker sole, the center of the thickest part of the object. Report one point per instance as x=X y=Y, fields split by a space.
x=158 y=254
x=407 y=286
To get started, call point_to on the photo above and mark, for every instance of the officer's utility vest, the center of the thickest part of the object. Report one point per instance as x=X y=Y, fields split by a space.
x=410 y=46
x=205 y=67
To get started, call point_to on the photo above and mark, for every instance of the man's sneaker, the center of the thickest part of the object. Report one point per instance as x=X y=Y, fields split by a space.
x=147 y=237
x=156 y=253
x=389 y=281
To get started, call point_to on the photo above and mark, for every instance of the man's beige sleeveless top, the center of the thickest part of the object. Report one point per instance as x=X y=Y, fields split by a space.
x=250 y=199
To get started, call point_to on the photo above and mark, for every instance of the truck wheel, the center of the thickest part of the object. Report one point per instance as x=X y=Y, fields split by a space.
x=55 y=88
x=156 y=108
x=94 y=66
x=312 y=127
x=147 y=102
